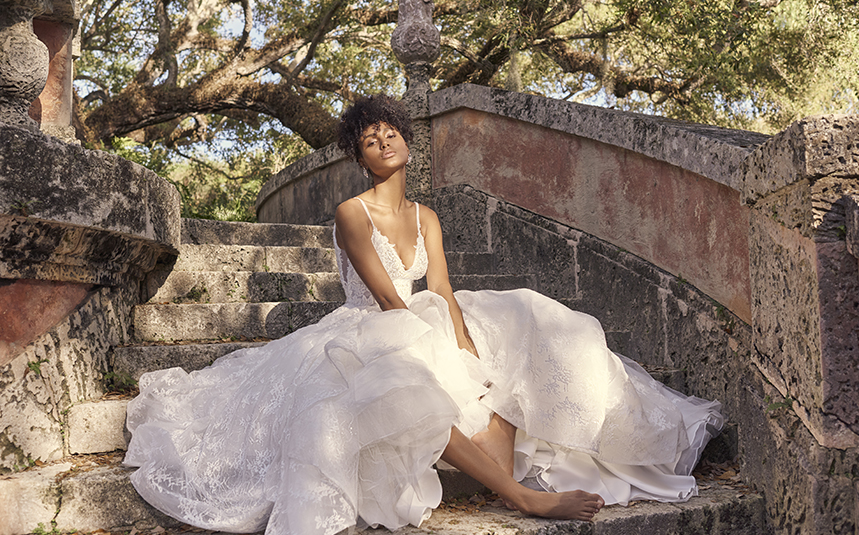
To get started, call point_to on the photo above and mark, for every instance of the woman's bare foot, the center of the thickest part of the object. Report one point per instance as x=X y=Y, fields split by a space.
x=573 y=505
x=497 y=442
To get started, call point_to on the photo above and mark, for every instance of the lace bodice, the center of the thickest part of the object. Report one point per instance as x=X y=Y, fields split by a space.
x=357 y=293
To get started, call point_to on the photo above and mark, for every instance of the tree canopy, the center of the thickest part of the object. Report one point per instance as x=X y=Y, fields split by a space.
x=240 y=88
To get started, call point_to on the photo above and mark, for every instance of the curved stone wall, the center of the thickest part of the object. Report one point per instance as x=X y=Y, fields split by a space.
x=79 y=232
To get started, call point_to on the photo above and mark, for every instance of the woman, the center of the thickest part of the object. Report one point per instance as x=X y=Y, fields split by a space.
x=341 y=422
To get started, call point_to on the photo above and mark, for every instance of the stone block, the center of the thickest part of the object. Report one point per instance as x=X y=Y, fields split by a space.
x=463 y=214
x=851 y=216
x=806 y=323
x=97 y=426
x=103 y=498
x=808 y=149
x=806 y=484
x=222 y=258
x=460 y=263
x=69 y=184
x=210 y=232
x=165 y=323
x=134 y=361
x=30 y=498
x=317 y=260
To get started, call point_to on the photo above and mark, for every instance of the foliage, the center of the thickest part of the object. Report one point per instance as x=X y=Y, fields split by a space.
x=217 y=95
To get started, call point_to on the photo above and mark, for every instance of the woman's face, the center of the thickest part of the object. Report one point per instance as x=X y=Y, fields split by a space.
x=383 y=149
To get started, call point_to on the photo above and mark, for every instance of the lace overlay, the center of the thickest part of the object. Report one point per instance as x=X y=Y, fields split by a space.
x=343 y=420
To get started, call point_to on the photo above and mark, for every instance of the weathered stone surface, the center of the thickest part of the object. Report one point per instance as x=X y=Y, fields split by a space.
x=103 y=498
x=808 y=487
x=289 y=259
x=465 y=223
x=460 y=263
x=134 y=361
x=23 y=60
x=53 y=107
x=808 y=149
x=183 y=287
x=209 y=232
x=164 y=323
x=684 y=223
x=716 y=511
x=30 y=498
x=309 y=191
x=61 y=367
x=710 y=151
x=28 y=308
x=851 y=217
x=57 y=181
x=805 y=298
x=96 y=426
x=32 y=248
x=415 y=39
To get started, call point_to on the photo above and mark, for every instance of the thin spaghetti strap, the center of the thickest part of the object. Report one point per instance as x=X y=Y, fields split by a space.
x=418 y=216
x=367 y=211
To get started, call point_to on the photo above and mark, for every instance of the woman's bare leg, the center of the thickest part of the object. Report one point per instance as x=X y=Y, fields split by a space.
x=466 y=456
x=497 y=442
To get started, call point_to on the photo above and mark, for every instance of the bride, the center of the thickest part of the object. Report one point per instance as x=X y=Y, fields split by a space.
x=340 y=423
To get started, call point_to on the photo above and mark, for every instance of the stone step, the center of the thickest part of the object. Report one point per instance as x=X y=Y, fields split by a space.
x=219 y=321
x=185 y=287
x=134 y=361
x=207 y=231
x=209 y=257
x=86 y=493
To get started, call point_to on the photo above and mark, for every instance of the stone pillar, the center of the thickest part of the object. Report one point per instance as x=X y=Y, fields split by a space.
x=23 y=60
x=805 y=281
x=416 y=43
x=53 y=108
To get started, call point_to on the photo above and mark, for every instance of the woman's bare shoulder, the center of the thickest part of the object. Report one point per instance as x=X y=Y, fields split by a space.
x=348 y=211
x=428 y=217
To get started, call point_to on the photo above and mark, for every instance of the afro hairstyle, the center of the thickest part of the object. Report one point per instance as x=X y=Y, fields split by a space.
x=369 y=111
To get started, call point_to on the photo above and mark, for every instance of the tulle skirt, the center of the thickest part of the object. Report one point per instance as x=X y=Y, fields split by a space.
x=342 y=422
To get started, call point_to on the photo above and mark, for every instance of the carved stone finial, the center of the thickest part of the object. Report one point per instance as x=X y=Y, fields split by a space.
x=23 y=60
x=415 y=39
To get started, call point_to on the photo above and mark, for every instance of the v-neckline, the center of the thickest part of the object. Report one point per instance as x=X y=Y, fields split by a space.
x=394 y=247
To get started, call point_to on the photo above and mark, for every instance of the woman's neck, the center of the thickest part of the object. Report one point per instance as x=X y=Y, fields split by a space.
x=391 y=192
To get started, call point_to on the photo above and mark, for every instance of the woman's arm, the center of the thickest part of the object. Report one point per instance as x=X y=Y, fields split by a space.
x=353 y=237
x=437 y=277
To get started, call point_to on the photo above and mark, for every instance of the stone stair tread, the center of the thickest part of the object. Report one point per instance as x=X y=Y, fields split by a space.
x=186 y=287
x=217 y=321
x=134 y=361
x=232 y=257
x=87 y=493
x=207 y=231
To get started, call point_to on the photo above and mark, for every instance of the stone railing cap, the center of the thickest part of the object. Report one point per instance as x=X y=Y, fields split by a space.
x=710 y=151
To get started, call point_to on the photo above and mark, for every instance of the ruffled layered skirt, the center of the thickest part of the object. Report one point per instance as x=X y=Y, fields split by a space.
x=342 y=421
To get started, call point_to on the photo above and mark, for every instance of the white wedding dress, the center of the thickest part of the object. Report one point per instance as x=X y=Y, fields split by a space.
x=342 y=421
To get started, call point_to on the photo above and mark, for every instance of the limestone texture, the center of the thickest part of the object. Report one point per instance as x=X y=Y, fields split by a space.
x=96 y=426
x=29 y=499
x=51 y=180
x=64 y=366
x=808 y=149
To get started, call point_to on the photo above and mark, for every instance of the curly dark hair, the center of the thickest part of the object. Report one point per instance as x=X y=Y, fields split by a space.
x=368 y=111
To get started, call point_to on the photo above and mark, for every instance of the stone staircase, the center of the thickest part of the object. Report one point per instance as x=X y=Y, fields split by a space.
x=236 y=285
